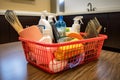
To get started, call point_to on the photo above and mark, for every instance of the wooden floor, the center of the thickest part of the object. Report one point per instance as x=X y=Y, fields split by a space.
x=13 y=66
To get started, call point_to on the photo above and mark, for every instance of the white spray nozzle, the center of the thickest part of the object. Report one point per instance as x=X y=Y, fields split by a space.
x=51 y=17
x=78 y=18
x=44 y=14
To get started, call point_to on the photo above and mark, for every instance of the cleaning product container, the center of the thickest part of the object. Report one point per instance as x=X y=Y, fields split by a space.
x=61 y=26
x=76 y=25
x=57 y=57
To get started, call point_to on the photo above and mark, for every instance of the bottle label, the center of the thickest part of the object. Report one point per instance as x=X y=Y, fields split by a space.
x=61 y=32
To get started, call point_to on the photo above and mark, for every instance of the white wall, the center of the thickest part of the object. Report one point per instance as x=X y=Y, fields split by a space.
x=81 y=5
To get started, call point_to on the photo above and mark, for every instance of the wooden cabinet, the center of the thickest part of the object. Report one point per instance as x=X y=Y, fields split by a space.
x=113 y=31
x=102 y=18
x=4 y=30
x=8 y=34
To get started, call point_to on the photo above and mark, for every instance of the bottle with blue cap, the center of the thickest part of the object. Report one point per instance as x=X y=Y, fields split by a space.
x=61 y=26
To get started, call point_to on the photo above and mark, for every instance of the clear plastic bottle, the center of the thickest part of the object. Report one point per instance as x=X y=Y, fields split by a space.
x=76 y=26
x=46 y=25
x=61 y=26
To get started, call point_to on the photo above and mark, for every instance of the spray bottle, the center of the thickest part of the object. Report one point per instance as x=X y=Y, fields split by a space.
x=47 y=27
x=76 y=26
x=56 y=34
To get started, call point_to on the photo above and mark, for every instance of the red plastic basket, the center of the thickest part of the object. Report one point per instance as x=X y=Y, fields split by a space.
x=57 y=57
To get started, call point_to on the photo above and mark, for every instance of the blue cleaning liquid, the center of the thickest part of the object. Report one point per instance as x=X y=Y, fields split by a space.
x=61 y=26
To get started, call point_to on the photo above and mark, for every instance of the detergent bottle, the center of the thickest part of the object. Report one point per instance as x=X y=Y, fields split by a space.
x=61 y=26
x=76 y=26
x=46 y=25
x=56 y=34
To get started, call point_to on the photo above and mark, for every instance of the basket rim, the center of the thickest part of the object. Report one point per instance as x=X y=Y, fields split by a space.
x=100 y=37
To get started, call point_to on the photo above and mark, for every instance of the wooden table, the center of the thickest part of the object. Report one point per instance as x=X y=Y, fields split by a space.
x=13 y=66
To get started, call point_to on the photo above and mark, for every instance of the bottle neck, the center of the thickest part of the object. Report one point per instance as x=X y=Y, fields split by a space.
x=60 y=18
x=76 y=22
